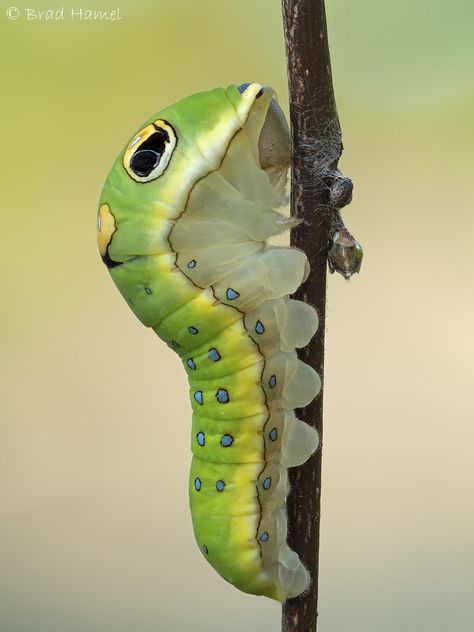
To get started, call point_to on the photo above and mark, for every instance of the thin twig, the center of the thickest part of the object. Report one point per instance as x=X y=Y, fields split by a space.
x=319 y=190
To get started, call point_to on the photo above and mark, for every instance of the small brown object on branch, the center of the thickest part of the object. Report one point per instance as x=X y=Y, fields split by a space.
x=340 y=191
x=345 y=254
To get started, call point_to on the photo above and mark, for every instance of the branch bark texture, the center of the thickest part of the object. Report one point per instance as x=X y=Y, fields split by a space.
x=318 y=191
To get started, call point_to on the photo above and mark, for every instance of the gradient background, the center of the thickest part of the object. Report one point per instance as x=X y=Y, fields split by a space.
x=95 y=531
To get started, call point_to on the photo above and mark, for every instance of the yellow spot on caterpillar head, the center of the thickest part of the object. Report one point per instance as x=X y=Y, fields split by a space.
x=105 y=228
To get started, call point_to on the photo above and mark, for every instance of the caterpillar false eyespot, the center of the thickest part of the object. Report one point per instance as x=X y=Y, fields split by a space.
x=184 y=219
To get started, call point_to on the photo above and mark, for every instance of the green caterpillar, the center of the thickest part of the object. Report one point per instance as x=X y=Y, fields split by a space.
x=184 y=218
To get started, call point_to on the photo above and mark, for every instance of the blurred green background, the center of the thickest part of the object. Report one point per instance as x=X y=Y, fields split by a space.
x=95 y=531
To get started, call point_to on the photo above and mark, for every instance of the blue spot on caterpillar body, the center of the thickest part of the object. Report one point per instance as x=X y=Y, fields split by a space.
x=200 y=272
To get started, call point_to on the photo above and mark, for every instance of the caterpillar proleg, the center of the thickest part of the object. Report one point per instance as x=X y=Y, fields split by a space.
x=184 y=219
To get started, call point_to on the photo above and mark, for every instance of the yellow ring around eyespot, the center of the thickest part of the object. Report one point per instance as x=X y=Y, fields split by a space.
x=145 y=133
x=140 y=138
x=105 y=228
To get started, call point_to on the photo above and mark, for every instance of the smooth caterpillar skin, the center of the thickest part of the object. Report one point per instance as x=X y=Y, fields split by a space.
x=183 y=221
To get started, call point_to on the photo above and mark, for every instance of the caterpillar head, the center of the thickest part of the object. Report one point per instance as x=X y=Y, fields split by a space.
x=274 y=143
x=151 y=179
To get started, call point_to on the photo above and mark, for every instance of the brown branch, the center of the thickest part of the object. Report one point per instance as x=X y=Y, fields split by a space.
x=319 y=190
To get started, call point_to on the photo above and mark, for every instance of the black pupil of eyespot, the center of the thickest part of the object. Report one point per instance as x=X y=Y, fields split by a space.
x=148 y=155
x=144 y=161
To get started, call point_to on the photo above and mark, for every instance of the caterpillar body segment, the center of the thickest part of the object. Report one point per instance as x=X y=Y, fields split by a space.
x=184 y=219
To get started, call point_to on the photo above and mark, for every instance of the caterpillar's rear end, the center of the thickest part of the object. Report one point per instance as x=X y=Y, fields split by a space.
x=184 y=220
